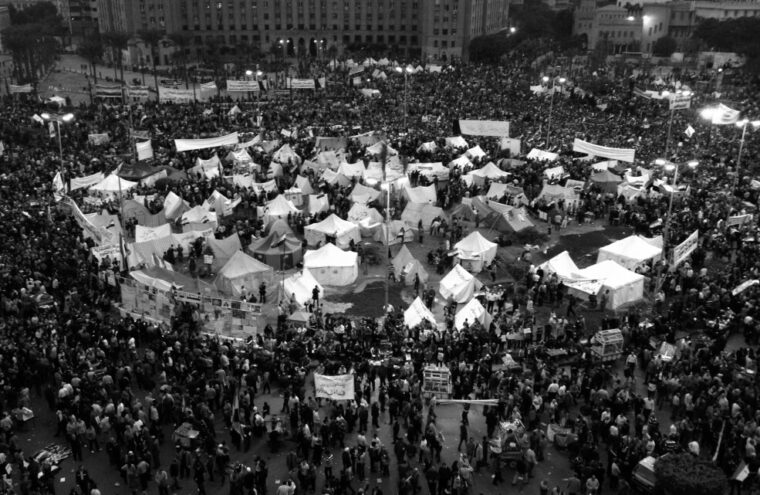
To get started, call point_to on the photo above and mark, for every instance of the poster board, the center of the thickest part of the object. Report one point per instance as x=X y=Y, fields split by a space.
x=337 y=387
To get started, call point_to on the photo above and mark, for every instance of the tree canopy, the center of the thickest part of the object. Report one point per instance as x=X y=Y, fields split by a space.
x=685 y=473
x=31 y=39
x=738 y=35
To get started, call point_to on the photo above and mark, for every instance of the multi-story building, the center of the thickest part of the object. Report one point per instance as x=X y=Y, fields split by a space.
x=433 y=28
x=80 y=16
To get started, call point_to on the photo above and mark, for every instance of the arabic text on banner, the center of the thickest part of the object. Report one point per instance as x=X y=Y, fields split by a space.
x=683 y=250
x=494 y=128
x=338 y=387
x=242 y=86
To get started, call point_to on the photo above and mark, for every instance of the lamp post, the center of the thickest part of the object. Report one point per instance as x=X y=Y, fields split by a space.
x=406 y=71
x=562 y=80
x=675 y=102
x=57 y=119
x=668 y=165
x=743 y=124
x=709 y=114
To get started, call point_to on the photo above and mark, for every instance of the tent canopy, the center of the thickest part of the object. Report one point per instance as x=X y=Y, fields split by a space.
x=406 y=266
x=416 y=313
x=341 y=230
x=624 y=286
x=632 y=251
x=281 y=251
x=490 y=171
x=224 y=249
x=414 y=212
x=472 y=311
x=300 y=286
x=475 y=246
x=563 y=265
x=243 y=271
x=364 y=194
x=113 y=184
x=459 y=285
x=331 y=265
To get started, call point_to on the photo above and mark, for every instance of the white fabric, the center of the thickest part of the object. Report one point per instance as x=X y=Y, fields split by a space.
x=368 y=219
x=631 y=251
x=460 y=162
x=144 y=150
x=542 y=156
x=390 y=234
x=363 y=194
x=429 y=147
x=377 y=149
x=472 y=311
x=605 y=165
x=476 y=247
x=198 y=214
x=332 y=178
x=82 y=182
x=459 y=285
x=624 y=285
x=317 y=203
x=332 y=266
x=342 y=230
x=554 y=172
x=416 y=313
x=406 y=266
x=279 y=207
x=351 y=169
x=493 y=128
x=286 y=155
x=620 y=154
x=199 y=144
x=300 y=287
x=430 y=170
x=456 y=142
x=328 y=159
x=421 y=195
x=414 y=212
x=113 y=184
x=145 y=234
x=490 y=171
x=174 y=206
x=563 y=265
x=243 y=271
x=475 y=153
x=304 y=185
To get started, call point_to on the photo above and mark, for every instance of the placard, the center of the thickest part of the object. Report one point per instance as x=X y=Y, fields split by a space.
x=338 y=387
x=494 y=128
x=242 y=86
x=302 y=84
x=683 y=250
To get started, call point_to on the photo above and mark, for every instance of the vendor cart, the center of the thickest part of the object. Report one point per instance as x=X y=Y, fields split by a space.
x=505 y=442
x=436 y=382
x=607 y=345
x=186 y=436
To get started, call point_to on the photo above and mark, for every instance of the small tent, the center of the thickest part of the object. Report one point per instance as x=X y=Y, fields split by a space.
x=393 y=232
x=406 y=266
x=224 y=249
x=332 y=266
x=300 y=286
x=552 y=193
x=606 y=181
x=472 y=311
x=504 y=218
x=279 y=207
x=368 y=219
x=286 y=155
x=317 y=203
x=363 y=194
x=112 y=185
x=459 y=285
x=456 y=142
x=475 y=251
x=430 y=170
x=490 y=171
x=304 y=185
x=244 y=271
x=421 y=195
x=417 y=313
x=624 y=286
x=414 y=212
x=281 y=251
x=515 y=196
x=563 y=265
x=332 y=229
x=632 y=251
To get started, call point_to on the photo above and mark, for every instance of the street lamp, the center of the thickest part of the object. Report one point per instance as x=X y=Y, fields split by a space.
x=743 y=124
x=668 y=166
x=406 y=71
x=562 y=81
x=66 y=118
x=709 y=114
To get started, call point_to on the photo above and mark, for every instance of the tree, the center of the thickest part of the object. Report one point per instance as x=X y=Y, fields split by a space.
x=91 y=49
x=31 y=39
x=152 y=37
x=685 y=473
x=182 y=41
x=664 y=47
x=118 y=42
x=732 y=35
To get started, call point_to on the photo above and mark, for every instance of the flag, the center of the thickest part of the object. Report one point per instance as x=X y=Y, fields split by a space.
x=38 y=119
x=58 y=187
x=107 y=91
x=51 y=130
x=689 y=131
x=144 y=150
x=641 y=93
x=724 y=115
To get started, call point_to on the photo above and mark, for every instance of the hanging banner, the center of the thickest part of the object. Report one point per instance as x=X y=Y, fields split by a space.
x=683 y=250
x=199 y=144
x=107 y=91
x=738 y=220
x=138 y=91
x=82 y=182
x=209 y=86
x=744 y=286
x=301 y=84
x=492 y=128
x=680 y=102
x=242 y=86
x=511 y=144
x=175 y=95
x=98 y=139
x=144 y=150
x=621 y=154
x=26 y=88
x=338 y=387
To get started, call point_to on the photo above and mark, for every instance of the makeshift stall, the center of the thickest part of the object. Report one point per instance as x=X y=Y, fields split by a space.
x=186 y=436
x=607 y=345
x=436 y=382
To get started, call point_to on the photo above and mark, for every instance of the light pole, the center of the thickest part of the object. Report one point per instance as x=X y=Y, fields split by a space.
x=709 y=115
x=406 y=71
x=743 y=124
x=248 y=75
x=58 y=119
x=562 y=80
x=675 y=102
x=668 y=165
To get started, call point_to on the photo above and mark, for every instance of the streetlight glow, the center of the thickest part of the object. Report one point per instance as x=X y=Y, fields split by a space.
x=513 y=30
x=562 y=80
x=692 y=163
x=707 y=113
x=249 y=73
x=630 y=18
x=68 y=117
x=545 y=79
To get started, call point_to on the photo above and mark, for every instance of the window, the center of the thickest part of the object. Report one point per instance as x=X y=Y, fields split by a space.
x=435 y=43
x=444 y=44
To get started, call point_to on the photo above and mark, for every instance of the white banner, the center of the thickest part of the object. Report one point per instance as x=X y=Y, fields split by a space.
x=744 y=286
x=493 y=128
x=301 y=84
x=620 y=154
x=476 y=402
x=145 y=234
x=680 y=102
x=338 y=387
x=175 y=95
x=200 y=144
x=144 y=150
x=724 y=115
x=739 y=219
x=82 y=182
x=242 y=86
x=511 y=144
x=26 y=88
x=683 y=250
x=138 y=91
x=98 y=139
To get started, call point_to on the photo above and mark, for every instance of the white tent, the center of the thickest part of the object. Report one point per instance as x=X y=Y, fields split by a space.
x=555 y=193
x=490 y=171
x=632 y=251
x=340 y=230
x=317 y=203
x=279 y=207
x=333 y=178
x=416 y=313
x=460 y=162
x=421 y=195
x=145 y=234
x=394 y=233
x=304 y=185
x=475 y=153
x=563 y=265
x=363 y=194
x=351 y=169
x=300 y=286
x=430 y=170
x=624 y=286
x=515 y=194
x=472 y=311
x=332 y=266
x=377 y=149
x=476 y=247
x=286 y=155
x=456 y=142
x=459 y=285
x=328 y=159
x=199 y=215
x=368 y=219
x=405 y=266
x=113 y=184
x=414 y=212
x=174 y=206
x=244 y=271
x=429 y=147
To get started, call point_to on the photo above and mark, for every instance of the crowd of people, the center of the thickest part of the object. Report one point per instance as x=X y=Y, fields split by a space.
x=130 y=387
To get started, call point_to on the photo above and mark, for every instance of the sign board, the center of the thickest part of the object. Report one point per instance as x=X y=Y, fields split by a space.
x=302 y=84
x=683 y=250
x=175 y=95
x=680 y=102
x=138 y=91
x=738 y=220
x=511 y=144
x=493 y=128
x=338 y=387
x=242 y=86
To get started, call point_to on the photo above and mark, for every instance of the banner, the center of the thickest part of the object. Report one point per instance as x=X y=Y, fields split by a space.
x=744 y=286
x=200 y=144
x=242 y=86
x=209 y=86
x=621 y=154
x=82 y=182
x=475 y=402
x=301 y=84
x=338 y=387
x=494 y=128
x=683 y=250
x=84 y=223
x=113 y=252
x=98 y=139
x=138 y=91
x=144 y=150
x=511 y=144
x=724 y=115
x=107 y=91
x=738 y=220
x=680 y=102
x=175 y=95
x=26 y=88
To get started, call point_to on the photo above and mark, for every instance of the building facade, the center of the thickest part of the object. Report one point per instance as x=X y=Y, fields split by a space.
x=435 y=29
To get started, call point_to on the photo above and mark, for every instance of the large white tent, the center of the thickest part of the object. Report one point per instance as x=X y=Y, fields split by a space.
x=430 y=170
x=476 y=248
x=279 y=207
x=332 y=266
x=367 y=218
x=632 y=251
x=363 y=194
x=112 y=184
x=406 y=266
x=416 y=313
x=563 y=265
x=333 y=227
x=459 y=285
x=624 y=285
x=244 y=271
x=300 y=286
x=472 y=311
x=421 y=195
x=490 y=171
x=390 y=233
x=414 y=212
